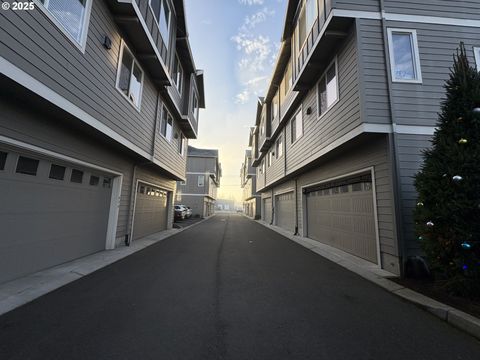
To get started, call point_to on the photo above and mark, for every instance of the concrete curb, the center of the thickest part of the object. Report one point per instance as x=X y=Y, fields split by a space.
x=21 y=291
x=371 y=272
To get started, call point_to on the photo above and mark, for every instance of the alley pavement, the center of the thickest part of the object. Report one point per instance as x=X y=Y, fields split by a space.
x=227 y=288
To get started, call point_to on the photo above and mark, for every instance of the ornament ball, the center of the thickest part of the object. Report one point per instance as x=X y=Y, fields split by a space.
x=430 y=224
x=457 y=178
x=462 y=141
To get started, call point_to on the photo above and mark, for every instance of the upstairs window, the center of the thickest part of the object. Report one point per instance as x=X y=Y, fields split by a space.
x=476 y=52
x=275 y=106
x=404 y=57
x=279 y=148
x=162 y=13
x=177 y=74
x=201 y=181
x=130 y=77
x=71 y=15
x=3 y=160
x=195 y=105
x=297 y=126
x=307 y=18
x=166 y=126
x=269 y=158
x=181 y=144
x=328 y=89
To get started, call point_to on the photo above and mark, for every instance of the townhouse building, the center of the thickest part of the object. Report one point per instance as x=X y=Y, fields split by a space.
x=200 y=187
x=248 y=183
x=98 y=101
x=352 y=102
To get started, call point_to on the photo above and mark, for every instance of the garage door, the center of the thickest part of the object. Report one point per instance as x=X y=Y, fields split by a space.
x=341 y=214
x=267 y=210
x=150 y=211
x=285 y=211
x=51 y=212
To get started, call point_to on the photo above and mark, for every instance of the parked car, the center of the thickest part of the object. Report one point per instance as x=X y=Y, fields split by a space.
x=180 y=212
x=189 y=212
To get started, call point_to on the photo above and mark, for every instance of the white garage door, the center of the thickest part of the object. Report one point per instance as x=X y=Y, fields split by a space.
x=341 y=214
x=267 y=210
x=285 y=211
x=51 y=212
x=150 y=211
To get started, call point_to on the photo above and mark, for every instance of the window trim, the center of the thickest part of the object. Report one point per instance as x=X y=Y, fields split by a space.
x=279 y=147
x=166 y=43
x=203 y=181
x=324 y=77
x=86 y=24
x=176 y=78
x=161 y=121
x=300 y=111
x=307 y=31
x=183 y=140
x=123 y=45
x=415 y=53
x=476 y=53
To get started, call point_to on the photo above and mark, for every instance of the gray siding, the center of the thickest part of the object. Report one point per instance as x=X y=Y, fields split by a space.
x=339 y=120
x=444 y=8
x=410 y=159
x=30 y=41
x=363 y=5
x=277 y=169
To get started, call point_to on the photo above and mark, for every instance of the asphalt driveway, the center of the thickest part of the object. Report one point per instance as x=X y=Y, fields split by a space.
x=228 y=288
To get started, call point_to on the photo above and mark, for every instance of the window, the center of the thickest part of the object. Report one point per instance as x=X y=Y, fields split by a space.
x=184 y=182
x=328 y=89
x=275 y=106
x=269 y=158
x=141 y=189
x=107 y=182
x=181 y=146
x=57 y=172
x=201 y=180
x=476 y=51
x=297 y=126
x=279 y=148
x=307 y=18
x=263 y=166
x=288 y=78
x=77 y=176
x=3 y=160
x=27 y=166
x=161 y=11
x=94 y=180
x=130 y=77
x=195 y=105
x=71 y=15
x=166 y=127
x=404 y=57
x=177 y=74
x=262 y=125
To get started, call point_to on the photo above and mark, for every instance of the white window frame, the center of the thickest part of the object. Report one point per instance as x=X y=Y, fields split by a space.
x=195 y=109
x=183 y=141
x=294 y=119
x=178 y=77
x=307 y=31
x=415 y=54
x=86 y=23
x=279 y=147
x=123 y=45
x=201 y=183
x=165 y=41
x=476 y=53
x=269 y=158
x=167 y=136
x=324 y=78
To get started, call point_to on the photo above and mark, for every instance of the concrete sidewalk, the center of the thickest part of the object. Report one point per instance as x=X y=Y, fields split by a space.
x=380 y=277
x=25 y=289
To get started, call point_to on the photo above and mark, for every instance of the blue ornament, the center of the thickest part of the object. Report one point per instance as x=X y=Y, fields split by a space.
x=464 y=267
x=466 y=246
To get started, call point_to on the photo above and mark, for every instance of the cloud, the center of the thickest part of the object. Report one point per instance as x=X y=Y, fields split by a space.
x=243 y=97
x=251 y=2
x=257 y=18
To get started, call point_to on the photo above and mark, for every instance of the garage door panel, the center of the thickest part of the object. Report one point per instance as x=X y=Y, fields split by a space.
x=343 y=216
x=285 y=211
x=267 y=210
x=150 y=211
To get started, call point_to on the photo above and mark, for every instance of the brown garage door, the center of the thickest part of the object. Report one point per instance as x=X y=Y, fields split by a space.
x=150 y=211
x=341 y=214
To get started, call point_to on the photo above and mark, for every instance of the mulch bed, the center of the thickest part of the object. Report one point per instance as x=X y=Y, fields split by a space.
x=434 y=291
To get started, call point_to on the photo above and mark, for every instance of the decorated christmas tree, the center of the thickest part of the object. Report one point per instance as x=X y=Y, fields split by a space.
x=447 y=215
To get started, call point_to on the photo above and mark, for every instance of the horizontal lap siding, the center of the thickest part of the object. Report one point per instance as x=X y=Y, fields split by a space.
x=277 y=169
x=30 y=41
x=260 y=178
x=371 y=153
x=339 y=120
x=442 y=8
x=363 y=5
x=410 y=159
x=419 y=104
x=374 y=76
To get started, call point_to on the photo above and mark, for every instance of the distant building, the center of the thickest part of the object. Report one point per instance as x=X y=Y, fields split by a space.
x=199 y=190
x=225 y=205
x=248 y=181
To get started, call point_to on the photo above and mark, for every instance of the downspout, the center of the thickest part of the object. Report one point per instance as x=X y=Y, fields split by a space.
x=296 y=206
x=401 y=243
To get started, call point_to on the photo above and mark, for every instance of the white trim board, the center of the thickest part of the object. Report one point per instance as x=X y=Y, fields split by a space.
x=377 y=15
x=116 y=186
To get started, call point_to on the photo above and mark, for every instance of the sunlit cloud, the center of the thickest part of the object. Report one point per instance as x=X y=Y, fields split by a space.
x=251 y=2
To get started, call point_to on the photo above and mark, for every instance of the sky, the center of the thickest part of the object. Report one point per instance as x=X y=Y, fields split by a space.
x=236 y=43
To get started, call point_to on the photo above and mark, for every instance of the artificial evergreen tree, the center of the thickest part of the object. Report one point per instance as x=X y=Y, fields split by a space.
x=447 y=215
